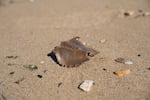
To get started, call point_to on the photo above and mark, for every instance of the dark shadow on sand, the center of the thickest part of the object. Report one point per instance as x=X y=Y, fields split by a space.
x=53 y=57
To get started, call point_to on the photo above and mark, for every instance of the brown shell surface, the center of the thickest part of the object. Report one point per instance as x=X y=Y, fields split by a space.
x=73 y=52
x=70 y=57
x=74 y=43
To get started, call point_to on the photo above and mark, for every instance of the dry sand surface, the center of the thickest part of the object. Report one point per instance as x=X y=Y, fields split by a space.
x=30 y=29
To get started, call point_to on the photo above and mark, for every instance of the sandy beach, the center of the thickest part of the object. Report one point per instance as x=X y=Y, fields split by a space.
x=30 y=29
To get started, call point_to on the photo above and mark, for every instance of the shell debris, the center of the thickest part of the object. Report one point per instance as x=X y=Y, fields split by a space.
x=128 y=62
x=86 y=85
x=122 y=72
x=124 y=61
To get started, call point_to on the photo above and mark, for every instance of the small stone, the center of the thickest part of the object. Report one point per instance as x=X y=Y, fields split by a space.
x=42 y=62
x=59 y=84
x=139 y=55
x=84 y=43
x=146 y=14
x=39 y=76
x=11 y=73
x=128 y=13
x=128 y=62
x=86 y=85
x=122 y=72
x=104 y=69
x=102 y=41
x=31 y=67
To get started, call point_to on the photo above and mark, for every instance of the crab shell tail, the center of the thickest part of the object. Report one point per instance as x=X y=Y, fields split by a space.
x=92 y=52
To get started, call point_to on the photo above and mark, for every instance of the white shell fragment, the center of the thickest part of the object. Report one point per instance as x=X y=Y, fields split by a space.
x=124 y=61
x=128 y=62
x=86 y=85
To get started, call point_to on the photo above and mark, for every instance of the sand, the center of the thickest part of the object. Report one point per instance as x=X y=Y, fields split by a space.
x=30 y=29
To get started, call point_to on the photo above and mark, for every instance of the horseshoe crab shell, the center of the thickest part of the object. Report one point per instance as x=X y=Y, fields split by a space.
x=74 y=43
x=69 y=57
x=73 y=52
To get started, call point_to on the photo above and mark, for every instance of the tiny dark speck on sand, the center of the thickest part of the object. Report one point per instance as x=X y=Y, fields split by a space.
x=59 y=84
x=39 y=76
x=138 y=55
x=18 y=81
x=148 y=68
x=11 y=73
x=104 y=69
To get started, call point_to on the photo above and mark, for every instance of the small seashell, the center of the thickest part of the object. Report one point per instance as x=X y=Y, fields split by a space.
x=128 y=62
x=86 y=85
x=122 y=72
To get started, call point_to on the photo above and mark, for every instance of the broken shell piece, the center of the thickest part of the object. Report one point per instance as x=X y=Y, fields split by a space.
x=86 y=85
x=74 y=43
x=124 y=61
x=122 y=72
x=128 y=62
x=69 y=57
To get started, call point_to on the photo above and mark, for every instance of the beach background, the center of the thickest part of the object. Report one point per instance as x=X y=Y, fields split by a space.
x=30 y=29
